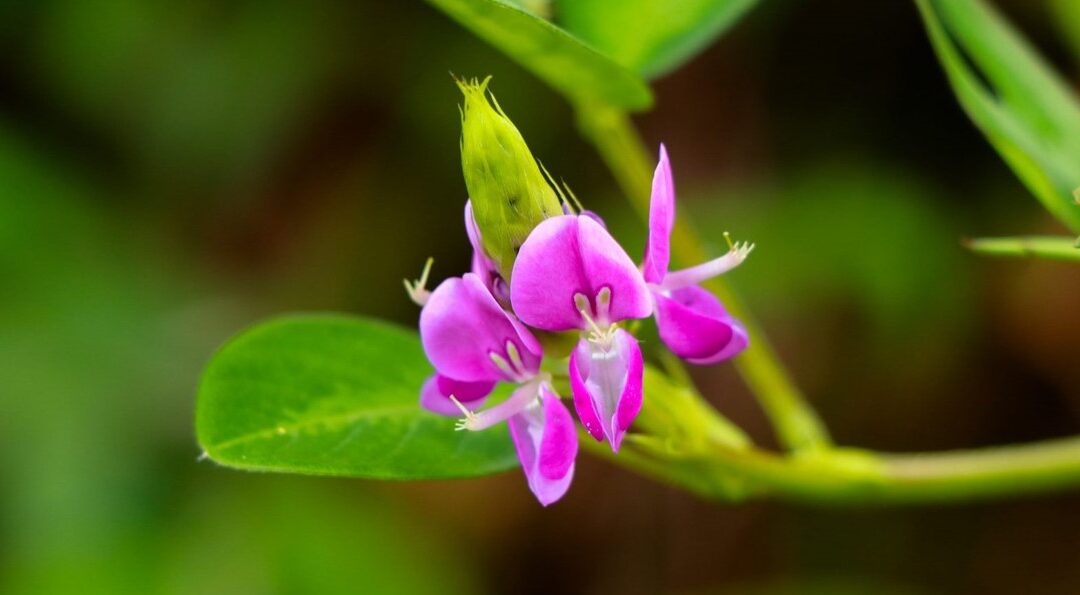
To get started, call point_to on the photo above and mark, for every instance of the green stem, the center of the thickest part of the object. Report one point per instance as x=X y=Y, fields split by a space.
x=842 y=476
x=616 y=139
x=730 y=470
x=1049 y=247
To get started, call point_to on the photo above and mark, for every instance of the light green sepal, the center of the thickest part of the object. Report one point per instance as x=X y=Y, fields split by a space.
x=509 y=194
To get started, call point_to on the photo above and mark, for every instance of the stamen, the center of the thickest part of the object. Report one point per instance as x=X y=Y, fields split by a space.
x=469 y=419
x=417 y=290
x=518 y=400
x=707 y=270
x=597 y=334
x=603 y=305
x=504 y=366
x=515 y=358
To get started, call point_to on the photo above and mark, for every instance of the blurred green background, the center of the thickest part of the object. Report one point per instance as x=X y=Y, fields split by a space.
x=171 y=172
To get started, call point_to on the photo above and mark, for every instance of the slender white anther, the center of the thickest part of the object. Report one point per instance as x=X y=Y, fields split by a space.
x=603 y=305
x=598 y=334
x=515 y=358
x=696 y=274
x=518 y=400
x=417 y=290
x=466 y=422
x=503 y=366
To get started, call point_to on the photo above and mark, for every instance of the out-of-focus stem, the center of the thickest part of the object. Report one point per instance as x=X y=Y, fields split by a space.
x=617 y=141
x=848 y=476
x=815 y=472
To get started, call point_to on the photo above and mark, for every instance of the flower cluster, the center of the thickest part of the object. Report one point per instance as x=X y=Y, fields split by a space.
x=542 y=272
x=569 y=275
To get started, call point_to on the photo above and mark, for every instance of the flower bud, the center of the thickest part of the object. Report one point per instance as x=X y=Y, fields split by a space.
x=509 y=194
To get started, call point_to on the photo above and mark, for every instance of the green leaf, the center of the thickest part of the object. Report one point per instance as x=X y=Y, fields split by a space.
x=1065 y=14
x=1025 y=110
x=334 y=395
x=560 y=59
x=1049 y=247
x=651 y=37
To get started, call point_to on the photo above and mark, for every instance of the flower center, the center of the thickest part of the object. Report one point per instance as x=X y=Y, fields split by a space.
x=597 y=321
x=510 y=362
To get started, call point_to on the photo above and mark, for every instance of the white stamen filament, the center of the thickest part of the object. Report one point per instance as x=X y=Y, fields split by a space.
x=518 y=400
x=515 y=358
x=503 y=365
x=707 y=270
x=598 y=335
x=417 y=290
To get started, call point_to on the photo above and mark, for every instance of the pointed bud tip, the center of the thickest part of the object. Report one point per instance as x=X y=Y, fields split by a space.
x=509 y=193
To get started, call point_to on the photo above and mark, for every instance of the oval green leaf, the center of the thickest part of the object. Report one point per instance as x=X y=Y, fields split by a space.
x=1022 y=107
x=334 y=395
x=651 y=37
x=574 y=69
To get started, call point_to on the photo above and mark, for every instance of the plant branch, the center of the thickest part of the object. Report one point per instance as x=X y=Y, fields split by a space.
x=849 y=476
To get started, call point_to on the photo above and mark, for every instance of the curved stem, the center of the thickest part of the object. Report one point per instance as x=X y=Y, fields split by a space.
x=843 y=476
x=815 y=471
x=797 y=426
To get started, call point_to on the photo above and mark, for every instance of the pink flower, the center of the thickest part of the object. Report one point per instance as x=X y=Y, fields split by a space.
x=474 y=344
x=570 y=274
x=691 y=321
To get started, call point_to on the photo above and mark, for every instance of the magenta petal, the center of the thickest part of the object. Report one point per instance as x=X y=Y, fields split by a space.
x=473 y=231
x=695 y=326
x=583 y=403
x=435 y=394
x=462 y=326
x=740 y=339
x=661 y=220
x=594 y=217
x=566 y=256
x=547 y=445
x=482 y=266
x=607 y=385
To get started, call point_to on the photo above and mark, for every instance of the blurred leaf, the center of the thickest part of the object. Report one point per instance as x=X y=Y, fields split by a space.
x=651 y=37
x=844 y=232
x=186 y=101
x=1050 y=247
x=1026 y=112
x=345 y=541
x=575 y=69
x=1066 y=15
x=334 y=395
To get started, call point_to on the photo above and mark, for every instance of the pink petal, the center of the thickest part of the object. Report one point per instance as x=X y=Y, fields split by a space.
x=661 y=221
x=547 y=445
x=565 y=256
x=583 y=402
x=592 y=215
x=559 y=445
x=482 y=266
x=607 y=386
x=435 y=394
x=462 y=326
x=473 y=231
x=695 y=326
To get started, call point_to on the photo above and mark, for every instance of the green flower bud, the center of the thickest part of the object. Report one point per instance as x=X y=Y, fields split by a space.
x=509 y=194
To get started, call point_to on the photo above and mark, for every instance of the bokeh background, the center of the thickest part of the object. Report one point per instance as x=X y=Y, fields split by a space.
x=172 y=171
